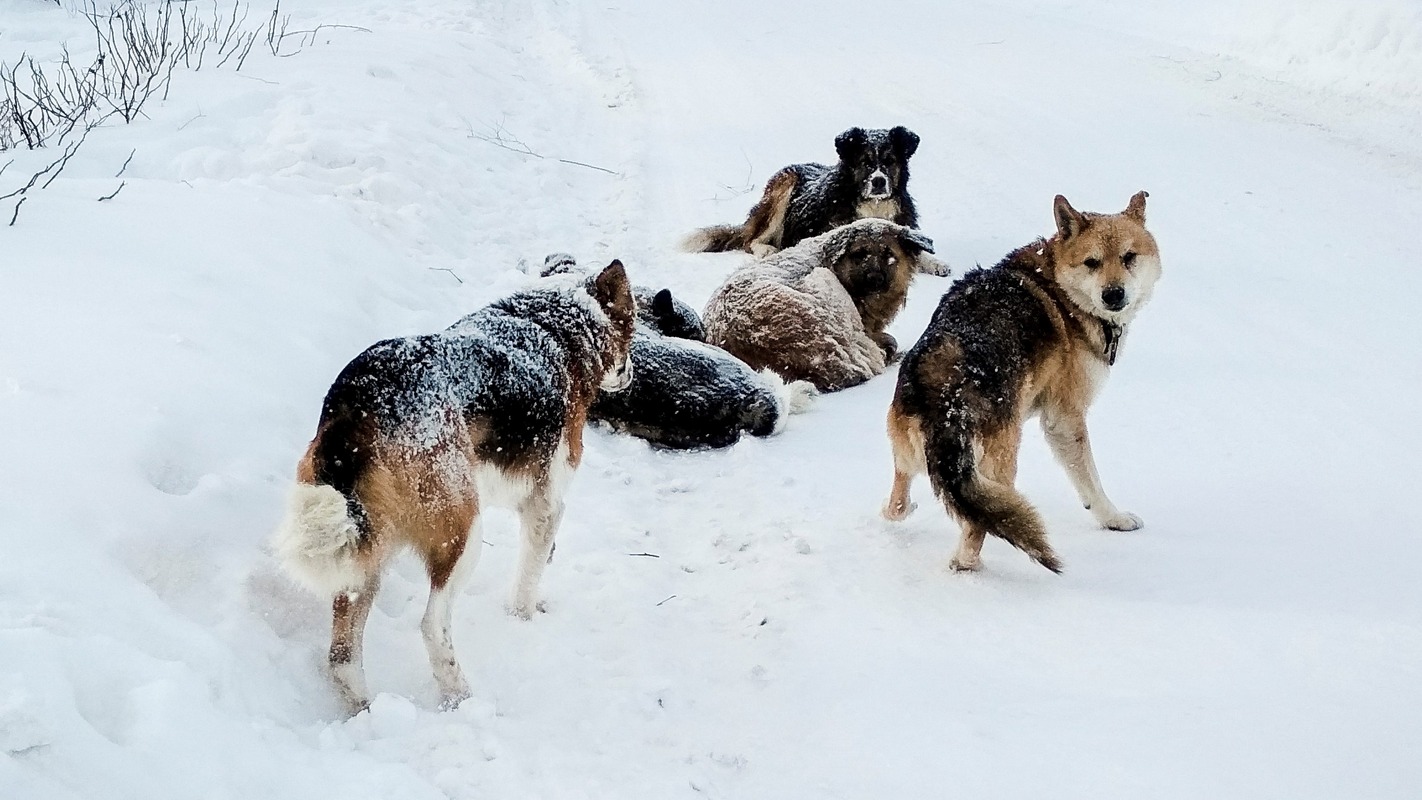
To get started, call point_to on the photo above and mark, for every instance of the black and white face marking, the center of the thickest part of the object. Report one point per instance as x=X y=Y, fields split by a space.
x=877 y=159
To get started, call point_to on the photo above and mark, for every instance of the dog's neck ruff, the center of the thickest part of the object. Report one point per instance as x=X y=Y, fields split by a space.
x=1111 y=332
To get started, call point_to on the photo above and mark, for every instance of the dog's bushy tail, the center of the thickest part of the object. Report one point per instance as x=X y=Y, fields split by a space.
x=321 y=539
x=716 y=239
x=767 y=417
x=996 y=508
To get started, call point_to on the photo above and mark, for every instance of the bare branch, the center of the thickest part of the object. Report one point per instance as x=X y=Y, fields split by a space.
x=499 y=136
x=115 y=192
x=450 y=271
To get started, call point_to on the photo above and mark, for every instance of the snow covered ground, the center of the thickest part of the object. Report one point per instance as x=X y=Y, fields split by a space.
x=163 y=356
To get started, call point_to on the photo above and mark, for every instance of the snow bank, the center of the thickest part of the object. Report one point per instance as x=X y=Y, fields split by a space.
x=1367 y=47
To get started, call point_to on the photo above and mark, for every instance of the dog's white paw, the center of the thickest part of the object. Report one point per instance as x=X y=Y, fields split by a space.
x=959 y=564
x=931 y=265
x=450 y=699
x=1122 y=521
x=524 y=609
x=898 y=512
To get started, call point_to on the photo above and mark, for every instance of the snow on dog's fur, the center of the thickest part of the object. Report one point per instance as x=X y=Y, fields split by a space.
x=1035 y=335
x=818 y=311
x=801 y=201
x=418 y=435
x=685 y=394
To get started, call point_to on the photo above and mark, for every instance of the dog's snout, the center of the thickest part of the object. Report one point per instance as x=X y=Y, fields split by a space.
x=878 y=183
x=1114 y=297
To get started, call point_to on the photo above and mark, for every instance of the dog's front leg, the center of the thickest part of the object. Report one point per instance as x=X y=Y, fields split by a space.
x=449 y=569
x=1066 y=433
x=928 y=264
x=539 y=517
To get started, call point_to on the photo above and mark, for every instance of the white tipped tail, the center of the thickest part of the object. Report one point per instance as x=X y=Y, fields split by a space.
x=794 y=397
x=714 y=239
x=318 y=542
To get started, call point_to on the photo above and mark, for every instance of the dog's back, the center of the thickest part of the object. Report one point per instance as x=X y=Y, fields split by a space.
x=817 y=311
x=686 y=395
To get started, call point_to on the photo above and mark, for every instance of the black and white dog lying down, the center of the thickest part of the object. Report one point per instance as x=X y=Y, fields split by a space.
x=686 y=394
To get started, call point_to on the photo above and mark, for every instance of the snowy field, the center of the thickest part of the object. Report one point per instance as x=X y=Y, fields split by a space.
x=163 y=356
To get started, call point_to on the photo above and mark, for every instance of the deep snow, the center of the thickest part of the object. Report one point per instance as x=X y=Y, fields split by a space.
x=163 y=357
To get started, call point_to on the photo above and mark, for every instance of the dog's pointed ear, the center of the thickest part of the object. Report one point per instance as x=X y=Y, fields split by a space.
x=662 y=303
x=849 y=143
x=611 y=284
x=1136 y=208
x=915 y=239
x=1070 y=222
x=905 y=142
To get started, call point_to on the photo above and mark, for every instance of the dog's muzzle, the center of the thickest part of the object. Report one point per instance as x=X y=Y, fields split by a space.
x=878 y=185
x=1113 y=298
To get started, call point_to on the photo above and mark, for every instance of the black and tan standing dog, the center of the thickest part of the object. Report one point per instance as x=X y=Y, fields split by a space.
x=806 y=200
x=1036 y=334
x=418 y=436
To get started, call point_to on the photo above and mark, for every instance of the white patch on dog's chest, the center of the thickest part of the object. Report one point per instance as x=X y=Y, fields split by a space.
x=1096 y=371
x=887 y=208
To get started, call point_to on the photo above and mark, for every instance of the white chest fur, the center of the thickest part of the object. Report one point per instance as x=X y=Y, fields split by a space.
x=887 y=208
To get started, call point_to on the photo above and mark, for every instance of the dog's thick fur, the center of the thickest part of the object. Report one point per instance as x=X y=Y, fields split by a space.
x=805 y=200
x=1036 y=334
x=689 y=395
x=418 y=436
x=817 y=311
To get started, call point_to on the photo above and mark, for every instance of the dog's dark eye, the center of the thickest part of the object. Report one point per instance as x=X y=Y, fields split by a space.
x=1129 y=259
x=1093 y=263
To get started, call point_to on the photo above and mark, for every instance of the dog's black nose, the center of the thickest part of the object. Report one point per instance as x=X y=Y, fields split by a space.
x=879 y=184
x=1114 y=297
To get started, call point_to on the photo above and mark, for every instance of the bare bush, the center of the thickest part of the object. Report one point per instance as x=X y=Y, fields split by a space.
x=137 y=47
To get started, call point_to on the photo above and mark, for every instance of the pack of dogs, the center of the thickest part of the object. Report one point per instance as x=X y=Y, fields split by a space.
x=417 y=436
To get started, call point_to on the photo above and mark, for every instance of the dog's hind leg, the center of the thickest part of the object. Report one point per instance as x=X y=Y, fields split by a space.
x=765 y=225
x=998 y=463
x=450 y=555
x=1065 y=430
x=539 y=516
x=349 y=612
x=907 y=443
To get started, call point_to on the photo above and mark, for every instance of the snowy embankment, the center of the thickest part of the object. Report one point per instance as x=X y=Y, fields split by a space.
x=163 y=356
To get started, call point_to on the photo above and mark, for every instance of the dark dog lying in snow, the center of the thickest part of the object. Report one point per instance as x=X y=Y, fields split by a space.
x=686 y=394
x=805 y=200
x=817 y=311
